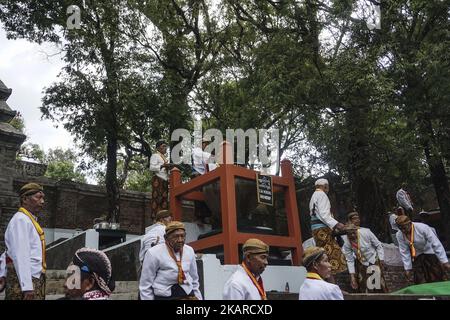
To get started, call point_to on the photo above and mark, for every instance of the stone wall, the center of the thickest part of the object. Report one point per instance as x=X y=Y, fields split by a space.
x=71 y=205
x=59 y=257
x=394 y=276
x=9 y=145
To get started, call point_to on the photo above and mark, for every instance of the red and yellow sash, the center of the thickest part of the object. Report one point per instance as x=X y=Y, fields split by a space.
x=258 y=284
x=181 y=275
x=357 y=247
x=313 y=276
x=41 y=235
x=411 y=243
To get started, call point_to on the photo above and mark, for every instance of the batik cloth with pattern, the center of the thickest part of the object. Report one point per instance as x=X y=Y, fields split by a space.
x=323 y=238
x=362 y=277
x=13 y=290
x=160 y=195
x=428 y=268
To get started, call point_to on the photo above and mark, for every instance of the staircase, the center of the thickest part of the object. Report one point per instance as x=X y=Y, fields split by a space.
x=125 y=290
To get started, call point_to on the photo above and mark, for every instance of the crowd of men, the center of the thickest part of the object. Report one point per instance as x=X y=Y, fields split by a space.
x=423 y=255
x=168 y=265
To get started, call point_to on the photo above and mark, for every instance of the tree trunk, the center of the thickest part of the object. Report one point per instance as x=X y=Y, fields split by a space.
x=369 y=198
x=439 y=179
x=112 y=188
x=371 y=206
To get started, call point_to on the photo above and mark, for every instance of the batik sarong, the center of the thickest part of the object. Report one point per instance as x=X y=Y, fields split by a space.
x=160 y=195
x=428 y=268
x=13 y=289
x=324 y=239
x=362 y=277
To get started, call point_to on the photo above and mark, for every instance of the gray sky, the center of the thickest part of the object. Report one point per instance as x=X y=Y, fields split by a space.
x=26 y=69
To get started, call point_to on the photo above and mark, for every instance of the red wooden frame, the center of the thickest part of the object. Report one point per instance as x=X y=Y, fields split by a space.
x=230 y=238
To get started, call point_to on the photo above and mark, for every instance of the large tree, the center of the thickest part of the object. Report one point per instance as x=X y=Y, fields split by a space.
x=416 y=39
x=90 y=97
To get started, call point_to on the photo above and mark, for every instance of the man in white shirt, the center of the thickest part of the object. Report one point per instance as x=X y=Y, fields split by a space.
x=156 y=233
x=160 y=166
x=246 y=283
x=2 y=271
x=323 y=226
x=365 y=259
x=394 y=228
x=316 y=262
x=404 y=200
x=202 y=163
x=25 y=248
x=200 y=159
x=423 y=255
x=426 y=219
x=169 y=271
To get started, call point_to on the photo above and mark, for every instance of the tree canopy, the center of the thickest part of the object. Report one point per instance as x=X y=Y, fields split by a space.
x=366 y=103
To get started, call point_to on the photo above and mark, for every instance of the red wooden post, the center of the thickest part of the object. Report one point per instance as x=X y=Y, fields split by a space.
x=175 y=203
x=293 y=219
x=228 y=204
x=225 y=154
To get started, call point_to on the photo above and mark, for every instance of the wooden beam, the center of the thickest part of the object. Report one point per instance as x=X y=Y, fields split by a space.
x=271 y=240
x=194 y=195
x=209 y=242
x=197 y=183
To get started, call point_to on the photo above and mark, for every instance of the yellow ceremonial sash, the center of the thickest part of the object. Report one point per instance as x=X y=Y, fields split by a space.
x=261 y=291
x=181 y=275
x=163 y=157
x=41 y=235
x=358 y=247
x=313 y=275
x=411 y=243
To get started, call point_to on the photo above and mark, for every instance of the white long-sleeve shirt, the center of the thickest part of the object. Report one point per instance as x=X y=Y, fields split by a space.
x=200 y=159
x=320 y=205
x=425 y=241
x=370 y=248
x=154 y=235
x=3 y=265
x=240 y=287
x=392 y=218
x=404 y=200
x=23 y=246
x=156 y=161
x=315 y=289
x=160 y=273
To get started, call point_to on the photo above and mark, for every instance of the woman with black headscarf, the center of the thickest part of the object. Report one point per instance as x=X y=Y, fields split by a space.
x=89 y=276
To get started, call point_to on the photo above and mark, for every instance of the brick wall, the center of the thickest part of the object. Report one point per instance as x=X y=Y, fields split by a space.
x=8 y=199
x=72 y=205
x=394 y=276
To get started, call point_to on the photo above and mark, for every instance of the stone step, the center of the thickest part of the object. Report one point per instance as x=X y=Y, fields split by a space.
x=57 y=286
x=55 y=274
x=54 y=286
x=114 y=296
x=54 y=296
x=124 y=296
x=125 y=290
x=126 y=287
